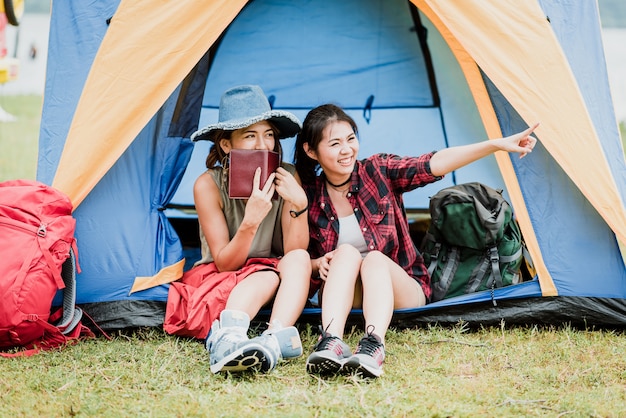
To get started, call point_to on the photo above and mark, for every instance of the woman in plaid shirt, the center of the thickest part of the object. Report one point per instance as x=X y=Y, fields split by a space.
x=361 y=250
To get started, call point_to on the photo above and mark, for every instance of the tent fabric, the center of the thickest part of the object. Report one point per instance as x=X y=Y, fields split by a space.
x=408 y=112
x=578 y=312
x=481 y=96
x=146 y=40
x=128 y=82
x=514 y=44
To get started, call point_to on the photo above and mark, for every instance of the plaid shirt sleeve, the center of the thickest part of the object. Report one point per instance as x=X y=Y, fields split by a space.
x=405 y=173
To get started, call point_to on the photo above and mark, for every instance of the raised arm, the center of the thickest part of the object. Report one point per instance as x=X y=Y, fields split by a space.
x=449 y=159
x=295 y=229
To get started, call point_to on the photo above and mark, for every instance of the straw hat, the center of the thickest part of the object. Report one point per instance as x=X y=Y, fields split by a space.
x=243 y=106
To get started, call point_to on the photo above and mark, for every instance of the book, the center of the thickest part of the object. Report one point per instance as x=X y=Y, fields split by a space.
x=243 y=164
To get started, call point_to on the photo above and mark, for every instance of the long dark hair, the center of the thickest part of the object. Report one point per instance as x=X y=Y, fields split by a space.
x=312 y=133
x=217 y=154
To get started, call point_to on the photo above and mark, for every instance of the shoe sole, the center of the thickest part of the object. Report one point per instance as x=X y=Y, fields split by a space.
x=249 y=358
x=323 y=365
x=354 y=366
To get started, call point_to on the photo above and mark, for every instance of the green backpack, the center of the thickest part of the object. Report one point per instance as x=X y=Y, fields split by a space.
x=473 y=242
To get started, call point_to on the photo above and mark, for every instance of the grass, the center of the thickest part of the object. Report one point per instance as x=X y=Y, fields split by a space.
x=435 y=371
x=19 y=139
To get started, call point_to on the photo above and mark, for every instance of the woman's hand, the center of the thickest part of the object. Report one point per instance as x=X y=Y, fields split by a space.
x=289 y=189
x=522 y=142
x=260 y=201
x=323 y=264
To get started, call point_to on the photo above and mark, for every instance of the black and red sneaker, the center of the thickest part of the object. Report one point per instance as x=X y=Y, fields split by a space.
x=328 y=356
x=368 y=358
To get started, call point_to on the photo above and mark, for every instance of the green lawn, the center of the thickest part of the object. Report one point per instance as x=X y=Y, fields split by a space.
x=19 y=139
x=429 y=372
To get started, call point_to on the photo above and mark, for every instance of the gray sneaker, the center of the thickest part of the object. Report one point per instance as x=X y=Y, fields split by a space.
x=229 y=348
x=368 y=358
x=328 y=356
x=284 y=342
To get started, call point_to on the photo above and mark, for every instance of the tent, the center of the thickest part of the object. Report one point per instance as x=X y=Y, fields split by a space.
x=128 y=82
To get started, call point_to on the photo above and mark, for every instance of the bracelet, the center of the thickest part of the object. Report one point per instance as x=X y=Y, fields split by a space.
x=295 y=214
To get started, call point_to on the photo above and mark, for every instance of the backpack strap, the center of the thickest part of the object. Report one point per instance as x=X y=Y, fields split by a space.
x=478 y=275
x=434 y=257
x=68 y=273
x=504 y=259
x=494 y=258
x=440 y=289
x=65 y=324
x=53 y=338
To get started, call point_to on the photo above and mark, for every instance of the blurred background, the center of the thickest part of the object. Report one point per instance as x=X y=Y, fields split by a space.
x=21 y=98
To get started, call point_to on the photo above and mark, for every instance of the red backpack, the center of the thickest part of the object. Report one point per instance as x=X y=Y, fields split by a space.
x=38 y=257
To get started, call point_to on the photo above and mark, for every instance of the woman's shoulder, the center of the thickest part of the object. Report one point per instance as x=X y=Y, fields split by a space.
x=209 y=174
x=374 y=160
x=208 y=178
x=381 y=156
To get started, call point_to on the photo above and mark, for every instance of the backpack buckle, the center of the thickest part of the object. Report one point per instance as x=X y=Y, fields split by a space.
x=493 y=255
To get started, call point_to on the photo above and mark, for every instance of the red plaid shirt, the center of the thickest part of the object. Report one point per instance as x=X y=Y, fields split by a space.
x=375 y=193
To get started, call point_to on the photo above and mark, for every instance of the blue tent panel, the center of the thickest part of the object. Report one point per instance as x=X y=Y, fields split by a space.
x=309 y=54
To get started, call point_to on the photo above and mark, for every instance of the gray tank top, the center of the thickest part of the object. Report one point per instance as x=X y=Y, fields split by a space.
x=268 y=241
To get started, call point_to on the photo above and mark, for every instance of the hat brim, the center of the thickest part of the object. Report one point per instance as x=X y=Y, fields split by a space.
x=287 y=123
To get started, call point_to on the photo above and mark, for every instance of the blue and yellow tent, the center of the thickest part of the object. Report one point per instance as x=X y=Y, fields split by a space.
x=128 y=82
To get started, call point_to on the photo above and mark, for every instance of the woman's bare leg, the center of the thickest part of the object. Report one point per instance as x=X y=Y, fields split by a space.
x=386 y=286
x=295 y=275
x=338 y=293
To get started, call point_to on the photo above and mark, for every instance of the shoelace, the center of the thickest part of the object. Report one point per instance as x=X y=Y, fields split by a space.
x=369 y=344
x=327 y=341
x=273 y=326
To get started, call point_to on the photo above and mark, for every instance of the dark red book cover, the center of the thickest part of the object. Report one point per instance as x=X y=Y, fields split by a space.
x=243 y=164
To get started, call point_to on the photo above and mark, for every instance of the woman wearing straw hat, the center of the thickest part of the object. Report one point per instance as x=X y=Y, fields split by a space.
x=245 y=264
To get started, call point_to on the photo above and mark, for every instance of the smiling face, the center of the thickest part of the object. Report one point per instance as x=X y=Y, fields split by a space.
x=261 y=135
x=337 y=151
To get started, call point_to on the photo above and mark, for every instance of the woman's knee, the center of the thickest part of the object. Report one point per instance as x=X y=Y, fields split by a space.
x=296 y=260
x=347 y=251
x=375 y=258
x=345 y=265
x=298 y=256
x=377 y=270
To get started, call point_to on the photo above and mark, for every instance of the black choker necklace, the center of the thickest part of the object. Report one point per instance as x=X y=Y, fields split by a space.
x=336 y=186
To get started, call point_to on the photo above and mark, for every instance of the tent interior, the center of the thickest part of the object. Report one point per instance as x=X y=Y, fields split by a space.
x=388 y=67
